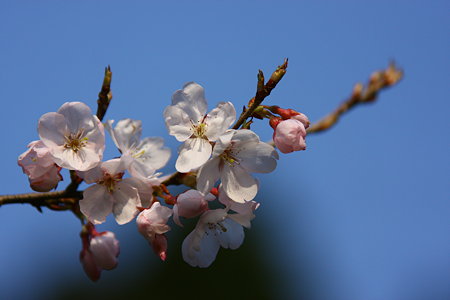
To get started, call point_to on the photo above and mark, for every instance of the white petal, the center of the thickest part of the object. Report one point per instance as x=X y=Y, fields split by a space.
x=52 y=129
x=203 y=258
x=126 y=201
x=96 y=203
x=193 y=154
x=259 y=158
x=83 y=160
x=92 y=175
x=219 y=120
x=223 y=142
x=233 y=237
x=114 y=166
x=239 y=185
x=78 y=116
x=246 y=208
x=151 y=152
x=192 y=100
x=126 y=134
x=208 y=175
x=242 y=219
x=178 y=123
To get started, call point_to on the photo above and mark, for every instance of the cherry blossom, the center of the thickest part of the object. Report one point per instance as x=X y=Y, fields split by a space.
x=190 y=204
x=74 y=136
x=236 y=154
x=100 y=252
x=144 y=156
x=43 y=174
x=112 y=193
x=152 y=225
x=215 y=229
x=186 y=119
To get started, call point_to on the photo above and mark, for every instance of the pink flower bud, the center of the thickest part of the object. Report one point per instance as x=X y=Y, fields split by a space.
x=47 y=181
x=290 y=135
x=100 y=251
x=302 y=118
x=89 y=266
x=190 y=204
x=152 y=225
x=105 y=249
x=159 y=245
x=38 y=164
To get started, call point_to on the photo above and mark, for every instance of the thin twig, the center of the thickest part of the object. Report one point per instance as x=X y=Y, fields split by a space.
x=262 y=91
x=379 y=81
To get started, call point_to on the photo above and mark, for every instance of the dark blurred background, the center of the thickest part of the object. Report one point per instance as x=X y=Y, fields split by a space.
x=362 y=214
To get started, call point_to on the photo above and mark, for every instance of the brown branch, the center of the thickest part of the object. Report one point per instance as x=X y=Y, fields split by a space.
x=68 y=199
x=49 y=199
x=379 y=81
x=262 y=91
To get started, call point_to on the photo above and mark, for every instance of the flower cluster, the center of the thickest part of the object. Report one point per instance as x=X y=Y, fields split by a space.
x=221 y=158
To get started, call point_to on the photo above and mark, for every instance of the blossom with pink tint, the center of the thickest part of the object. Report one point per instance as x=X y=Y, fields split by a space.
x=37 y=163
x=190 y=204
x=215 y=228
x=152 y=224
x=100 y=252
x=112 y=193
x=75 y=137
x=289 y=135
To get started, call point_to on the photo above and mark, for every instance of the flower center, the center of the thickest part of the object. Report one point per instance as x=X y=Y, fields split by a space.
x=199 y=130
x=109 y=181
x=229 y=156
x=75 y=141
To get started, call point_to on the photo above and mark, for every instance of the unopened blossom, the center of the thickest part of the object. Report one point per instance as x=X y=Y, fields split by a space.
x=190 y=204
x=74 y=136
x=100 y=252
x=289 y=136
x=215 y=229
x=37 y=163
x=152 y=224
x=144 y=156
x=112 y=193
x=236 y=154
x=187 y=120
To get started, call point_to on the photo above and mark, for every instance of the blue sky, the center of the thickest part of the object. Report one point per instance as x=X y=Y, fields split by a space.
x=367 y=204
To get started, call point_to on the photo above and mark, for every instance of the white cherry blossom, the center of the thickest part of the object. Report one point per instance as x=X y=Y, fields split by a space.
x=215 y=229
x=75 y=137
x=186 y=119
x=236 y=154
x=144 y=156
x=112 y=193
